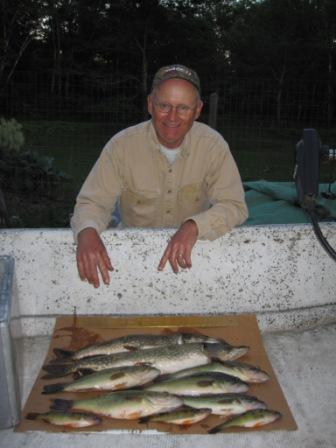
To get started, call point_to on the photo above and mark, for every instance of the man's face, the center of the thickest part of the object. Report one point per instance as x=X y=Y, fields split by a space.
x=173 y=105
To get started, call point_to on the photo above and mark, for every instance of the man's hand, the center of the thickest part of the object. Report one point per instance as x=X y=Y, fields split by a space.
x=179 y=248
x=91 y=256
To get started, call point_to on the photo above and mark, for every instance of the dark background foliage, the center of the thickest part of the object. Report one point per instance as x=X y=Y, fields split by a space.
x=75 y=71
x=279 y=40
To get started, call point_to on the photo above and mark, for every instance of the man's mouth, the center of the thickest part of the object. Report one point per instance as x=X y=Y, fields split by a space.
x=172 y=125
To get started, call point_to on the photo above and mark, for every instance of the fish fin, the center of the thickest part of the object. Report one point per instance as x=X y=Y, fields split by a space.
x=61 y=353
x=57 y=370
x=32 y=416
x=243 y=347
x=214 y=430
x=61 y=405
x=131 y=348
x=49 y=376
x=83 y=372
x=91 y=357
x=143 y=420
x=53 y=388
x=240 y=351
x=162 y=377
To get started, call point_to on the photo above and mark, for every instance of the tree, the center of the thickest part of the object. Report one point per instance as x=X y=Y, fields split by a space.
x=19 y=26
x=274 y=39
x=326 y=47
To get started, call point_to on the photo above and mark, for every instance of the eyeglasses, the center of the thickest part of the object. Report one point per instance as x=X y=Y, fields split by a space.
x=182 y=109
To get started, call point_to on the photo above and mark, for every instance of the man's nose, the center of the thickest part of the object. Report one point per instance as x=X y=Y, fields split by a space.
x=172 y=115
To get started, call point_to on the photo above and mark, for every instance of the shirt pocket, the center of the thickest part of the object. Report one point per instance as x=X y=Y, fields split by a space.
x=139 y=208
x=192 y=199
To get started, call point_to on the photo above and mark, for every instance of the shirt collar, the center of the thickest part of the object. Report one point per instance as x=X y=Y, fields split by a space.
x=155 y=144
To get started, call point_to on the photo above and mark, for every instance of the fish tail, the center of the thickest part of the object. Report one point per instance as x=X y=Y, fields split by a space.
x=242 y=348
x=61 y=405
x=53 y=388
x=32 y=416
x=63 y=354
x=57 y=370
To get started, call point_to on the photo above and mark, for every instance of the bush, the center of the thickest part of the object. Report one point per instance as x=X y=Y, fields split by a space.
x=36 y=193
x=11 y=135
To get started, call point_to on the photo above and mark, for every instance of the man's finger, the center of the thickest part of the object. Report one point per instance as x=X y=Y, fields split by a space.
x=162 y=263
x=81 y=269
x=187 y=258
x=174 y=265
x=104 y=270
x=85 y=262
x=93 y=272
x=180 y=258
x=108 y=262
x=176 y=256
x=164 y=259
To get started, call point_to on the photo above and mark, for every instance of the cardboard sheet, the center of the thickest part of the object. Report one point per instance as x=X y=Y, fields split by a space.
x=73 y=332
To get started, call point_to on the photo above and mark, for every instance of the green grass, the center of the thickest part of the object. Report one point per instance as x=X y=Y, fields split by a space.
x=269 y=153
x=74 y=146
x=261 y=152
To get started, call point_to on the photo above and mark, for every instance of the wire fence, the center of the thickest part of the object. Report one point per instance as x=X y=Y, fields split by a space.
x=70 y=118
x=33 y=95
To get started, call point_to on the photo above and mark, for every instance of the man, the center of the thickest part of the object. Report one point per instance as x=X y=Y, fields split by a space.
x=170 y=171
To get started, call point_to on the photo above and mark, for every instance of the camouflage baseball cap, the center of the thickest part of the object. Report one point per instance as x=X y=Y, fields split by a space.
x=176 y=71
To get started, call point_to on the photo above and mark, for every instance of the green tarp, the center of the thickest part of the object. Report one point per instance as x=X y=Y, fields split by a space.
x=277 y=203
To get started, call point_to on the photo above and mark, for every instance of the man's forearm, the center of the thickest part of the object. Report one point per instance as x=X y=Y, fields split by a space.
x=220 y=219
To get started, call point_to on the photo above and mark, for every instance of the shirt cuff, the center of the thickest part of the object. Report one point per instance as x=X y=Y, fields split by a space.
x=83 y=226
x=203 y=226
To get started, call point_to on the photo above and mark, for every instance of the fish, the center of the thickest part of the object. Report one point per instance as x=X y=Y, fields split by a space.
x=244 y=372
x=67 y=419
x=109 y=379
x=133 y=342
x=224 y=404
x=167 y=359
x=249 y=419
x=200 y=384
x=223 y=351
x=182 y=417
x=129 y=405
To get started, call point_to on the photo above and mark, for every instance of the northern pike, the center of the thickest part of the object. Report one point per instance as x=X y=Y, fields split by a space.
x=200 y=384
x=133 y=342
x=167 y=359
x=224 y=404
x=67 y=419
x=130 y=405
x=183 y=417
x=244 y=372
x=223 y=351
x=118 y=378
x=250 y=419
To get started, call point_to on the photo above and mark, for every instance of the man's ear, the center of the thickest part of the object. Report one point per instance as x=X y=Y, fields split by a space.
x=150 y=104
x=199 y=108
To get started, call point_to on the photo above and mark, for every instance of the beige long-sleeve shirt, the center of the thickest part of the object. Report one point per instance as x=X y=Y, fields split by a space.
x=203 y=184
